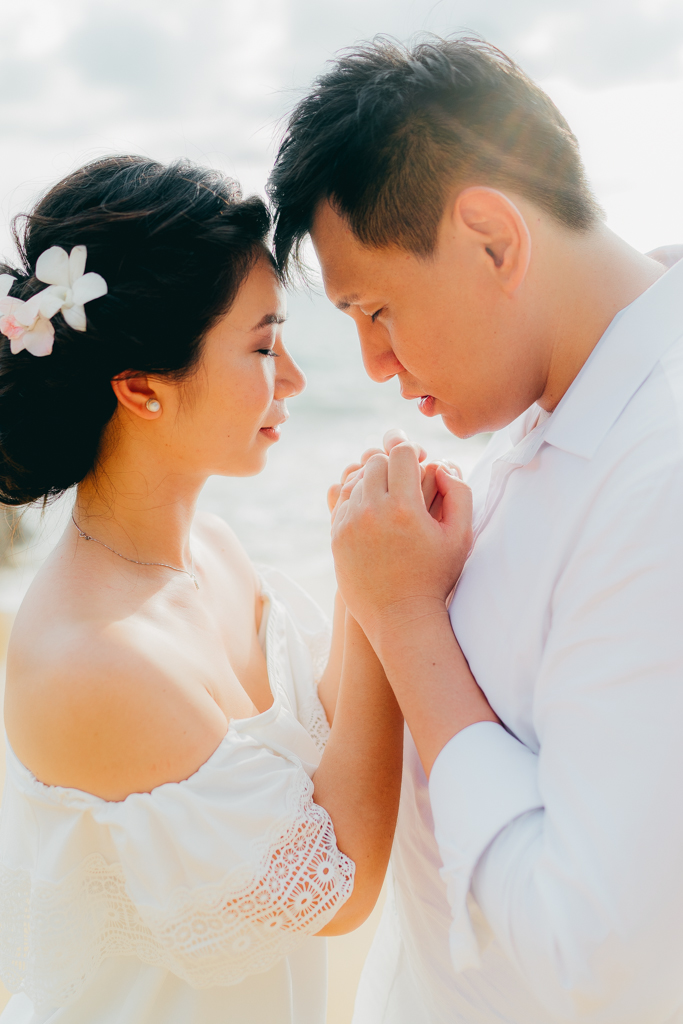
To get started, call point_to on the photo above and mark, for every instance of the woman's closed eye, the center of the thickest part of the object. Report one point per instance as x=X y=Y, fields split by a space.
x=374 y=316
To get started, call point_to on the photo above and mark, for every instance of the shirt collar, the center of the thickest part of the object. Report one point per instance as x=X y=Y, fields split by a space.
x=630 y=348
x=527 y=434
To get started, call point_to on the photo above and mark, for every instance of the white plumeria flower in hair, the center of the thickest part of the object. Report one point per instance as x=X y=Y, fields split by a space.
x=28 y=324
x=69 y=282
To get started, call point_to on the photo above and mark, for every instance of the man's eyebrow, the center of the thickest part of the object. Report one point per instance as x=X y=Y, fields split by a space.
x=347 y=301
x=268 y=319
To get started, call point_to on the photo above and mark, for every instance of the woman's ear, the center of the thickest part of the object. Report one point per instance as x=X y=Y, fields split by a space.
x=136 y=395
x=493 y=225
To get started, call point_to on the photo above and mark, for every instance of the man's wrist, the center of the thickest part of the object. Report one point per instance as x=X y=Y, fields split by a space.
x=429 y=674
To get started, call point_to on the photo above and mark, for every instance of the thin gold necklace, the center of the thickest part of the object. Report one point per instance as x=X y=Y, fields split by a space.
x=165 y=565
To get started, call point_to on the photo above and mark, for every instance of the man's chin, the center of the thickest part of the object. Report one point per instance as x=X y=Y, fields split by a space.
x=458 y=421
x=460 y=426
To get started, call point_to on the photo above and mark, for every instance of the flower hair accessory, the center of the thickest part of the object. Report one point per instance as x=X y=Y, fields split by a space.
x=28 y=324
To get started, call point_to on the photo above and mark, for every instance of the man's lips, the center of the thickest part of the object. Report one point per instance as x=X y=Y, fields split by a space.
x=272 y=433
x=426 y=405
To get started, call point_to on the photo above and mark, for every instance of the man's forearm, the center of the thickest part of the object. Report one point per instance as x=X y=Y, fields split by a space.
x=429 y=674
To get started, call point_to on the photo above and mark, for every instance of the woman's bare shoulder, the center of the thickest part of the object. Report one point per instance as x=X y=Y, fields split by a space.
x=92 y=706
x=214 y=530
x=105 y=695
x=215 y=533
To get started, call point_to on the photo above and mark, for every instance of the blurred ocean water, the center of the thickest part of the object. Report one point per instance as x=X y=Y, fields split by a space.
x=281 y=515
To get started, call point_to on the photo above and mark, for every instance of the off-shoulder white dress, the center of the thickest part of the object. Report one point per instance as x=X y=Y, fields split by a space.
x=196 y=903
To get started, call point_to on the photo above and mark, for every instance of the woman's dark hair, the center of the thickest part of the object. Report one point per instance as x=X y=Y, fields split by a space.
x=174 y=243
x=389 y=131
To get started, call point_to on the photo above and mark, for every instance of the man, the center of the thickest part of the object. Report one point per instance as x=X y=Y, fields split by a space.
x=538 y=864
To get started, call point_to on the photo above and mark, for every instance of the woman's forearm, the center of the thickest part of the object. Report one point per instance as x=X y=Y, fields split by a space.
x=328 y=687
x=359 y=778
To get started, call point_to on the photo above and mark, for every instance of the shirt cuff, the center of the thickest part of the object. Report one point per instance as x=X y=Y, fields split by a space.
x=481 y=781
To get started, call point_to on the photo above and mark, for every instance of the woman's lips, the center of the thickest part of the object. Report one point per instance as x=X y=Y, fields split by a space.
x=272 y=433
x=426 y=405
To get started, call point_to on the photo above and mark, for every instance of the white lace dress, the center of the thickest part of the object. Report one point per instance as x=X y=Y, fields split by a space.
x=196 y=903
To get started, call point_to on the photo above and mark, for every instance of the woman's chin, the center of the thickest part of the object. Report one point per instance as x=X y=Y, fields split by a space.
x=251 y=465
x=253 y=459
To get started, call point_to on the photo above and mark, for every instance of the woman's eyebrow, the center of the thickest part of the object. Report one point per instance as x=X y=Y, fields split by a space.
x=268 y=319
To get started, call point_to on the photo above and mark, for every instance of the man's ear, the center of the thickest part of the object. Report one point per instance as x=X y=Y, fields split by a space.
x=136 y=395
x=495 y=228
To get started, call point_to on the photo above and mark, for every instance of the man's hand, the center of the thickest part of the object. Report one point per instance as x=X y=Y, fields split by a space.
x=433 y=498
x=395 y=562
x=354 y=471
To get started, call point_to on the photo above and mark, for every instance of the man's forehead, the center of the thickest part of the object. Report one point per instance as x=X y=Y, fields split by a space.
x=351 y=270
x=333 y=238
x=326 y=218
x=345 y=277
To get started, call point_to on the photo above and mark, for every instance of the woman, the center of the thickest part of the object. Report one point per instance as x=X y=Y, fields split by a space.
x=179 y=819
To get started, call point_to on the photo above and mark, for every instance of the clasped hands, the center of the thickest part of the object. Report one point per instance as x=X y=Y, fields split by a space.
x=401 y=532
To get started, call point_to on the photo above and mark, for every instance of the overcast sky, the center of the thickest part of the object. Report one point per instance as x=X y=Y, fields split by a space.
x=209 y=79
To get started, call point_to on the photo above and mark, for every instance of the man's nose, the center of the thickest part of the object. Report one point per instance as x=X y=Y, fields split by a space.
x=378 y=356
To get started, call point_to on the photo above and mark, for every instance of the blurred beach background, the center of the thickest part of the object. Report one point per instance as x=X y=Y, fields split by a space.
x=210 y=80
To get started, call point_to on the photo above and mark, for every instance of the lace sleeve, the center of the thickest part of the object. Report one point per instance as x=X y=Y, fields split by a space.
x=211 y=930
x=221 y=934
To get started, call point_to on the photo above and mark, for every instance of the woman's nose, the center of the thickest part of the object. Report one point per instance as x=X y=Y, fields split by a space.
x=291 y=380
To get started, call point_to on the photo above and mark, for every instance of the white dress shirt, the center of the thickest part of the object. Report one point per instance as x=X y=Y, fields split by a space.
x=539 y=877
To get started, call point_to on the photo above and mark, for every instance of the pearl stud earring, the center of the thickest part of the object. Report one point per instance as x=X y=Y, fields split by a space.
x=153 y=405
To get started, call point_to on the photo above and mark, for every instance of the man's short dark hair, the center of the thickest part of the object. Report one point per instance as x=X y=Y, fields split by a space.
x=388 y=132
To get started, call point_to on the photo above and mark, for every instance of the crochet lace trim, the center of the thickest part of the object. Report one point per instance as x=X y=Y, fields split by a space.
x=314 y=720
x=319 y=648
x=54 y=936
x=313 y=717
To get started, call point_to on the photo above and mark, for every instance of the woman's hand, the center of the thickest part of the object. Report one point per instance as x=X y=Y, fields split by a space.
x=433 y=498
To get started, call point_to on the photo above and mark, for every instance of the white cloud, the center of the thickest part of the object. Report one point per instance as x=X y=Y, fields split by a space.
x=633 y=149
x=209 y=78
